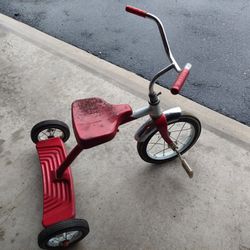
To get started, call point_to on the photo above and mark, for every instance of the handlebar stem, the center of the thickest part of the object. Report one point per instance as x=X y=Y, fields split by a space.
x=160 y=73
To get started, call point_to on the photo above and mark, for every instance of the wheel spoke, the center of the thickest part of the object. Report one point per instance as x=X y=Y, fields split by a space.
x=159 y=152
x=42 y=136
x=65 y=236
x=74 y=236
x=45 y=134
x=156 y=142
x=54 y=131
x=178 y=141
x=180 y=131
x=171 y=126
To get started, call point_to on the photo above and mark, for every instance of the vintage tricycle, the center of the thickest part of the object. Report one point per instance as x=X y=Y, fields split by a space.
x=165 y=136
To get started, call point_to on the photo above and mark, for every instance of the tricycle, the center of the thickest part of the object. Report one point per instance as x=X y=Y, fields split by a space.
x=166 y=135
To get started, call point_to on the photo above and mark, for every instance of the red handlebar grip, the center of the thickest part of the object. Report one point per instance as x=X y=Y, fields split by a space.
x=179 y=82
x=136 y=11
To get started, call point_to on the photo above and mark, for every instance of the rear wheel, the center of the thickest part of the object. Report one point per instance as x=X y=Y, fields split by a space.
x=63 y=234
x=184 y=132
x=50 y=129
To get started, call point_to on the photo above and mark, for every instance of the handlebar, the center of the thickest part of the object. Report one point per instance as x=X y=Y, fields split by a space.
x=174 y=65
x=179 y=82
x=136 y=11
x=143 y=13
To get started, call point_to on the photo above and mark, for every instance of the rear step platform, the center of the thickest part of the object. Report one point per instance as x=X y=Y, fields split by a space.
x=58 y=196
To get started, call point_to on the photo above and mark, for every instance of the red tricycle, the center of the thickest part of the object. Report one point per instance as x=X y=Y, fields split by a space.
x=166 y=135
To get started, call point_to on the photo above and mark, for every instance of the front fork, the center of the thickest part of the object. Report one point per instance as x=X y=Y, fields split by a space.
x=162 y=126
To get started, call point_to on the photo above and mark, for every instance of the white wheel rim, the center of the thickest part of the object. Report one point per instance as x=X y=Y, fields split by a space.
x=61 y=239
x=50 y=133
x=182 y=133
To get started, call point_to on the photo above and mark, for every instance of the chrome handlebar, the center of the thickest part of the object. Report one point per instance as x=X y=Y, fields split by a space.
x=174 y=64
x=165 y=41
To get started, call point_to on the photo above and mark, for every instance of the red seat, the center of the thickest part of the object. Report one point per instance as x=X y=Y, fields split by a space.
x=96 y=121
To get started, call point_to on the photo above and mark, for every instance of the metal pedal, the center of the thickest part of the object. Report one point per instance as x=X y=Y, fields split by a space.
x=185 y=165
x=187 y=168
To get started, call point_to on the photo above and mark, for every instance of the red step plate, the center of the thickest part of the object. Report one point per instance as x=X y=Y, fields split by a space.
x=58 y=196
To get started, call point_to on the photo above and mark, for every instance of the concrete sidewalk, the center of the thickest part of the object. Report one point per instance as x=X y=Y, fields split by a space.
x=128 y=203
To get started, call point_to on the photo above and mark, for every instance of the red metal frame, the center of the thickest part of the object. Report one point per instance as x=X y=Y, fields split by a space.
x=162 y=126
x=66 y=163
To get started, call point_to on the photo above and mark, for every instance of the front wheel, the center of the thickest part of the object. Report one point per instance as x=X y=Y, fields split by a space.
x=184 y=132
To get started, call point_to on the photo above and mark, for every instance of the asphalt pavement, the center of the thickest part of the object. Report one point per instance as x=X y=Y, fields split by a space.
x=212 y=35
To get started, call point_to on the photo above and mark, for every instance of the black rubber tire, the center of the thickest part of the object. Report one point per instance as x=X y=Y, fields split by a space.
x=49 y=124
x=62 y=227
x=142 y=146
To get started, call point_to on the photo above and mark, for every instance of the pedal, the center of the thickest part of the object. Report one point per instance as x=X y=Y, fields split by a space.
x=185 y=165
x=187 y=168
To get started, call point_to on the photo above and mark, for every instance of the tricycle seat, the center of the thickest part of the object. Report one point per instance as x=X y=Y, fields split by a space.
x=95 y=121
